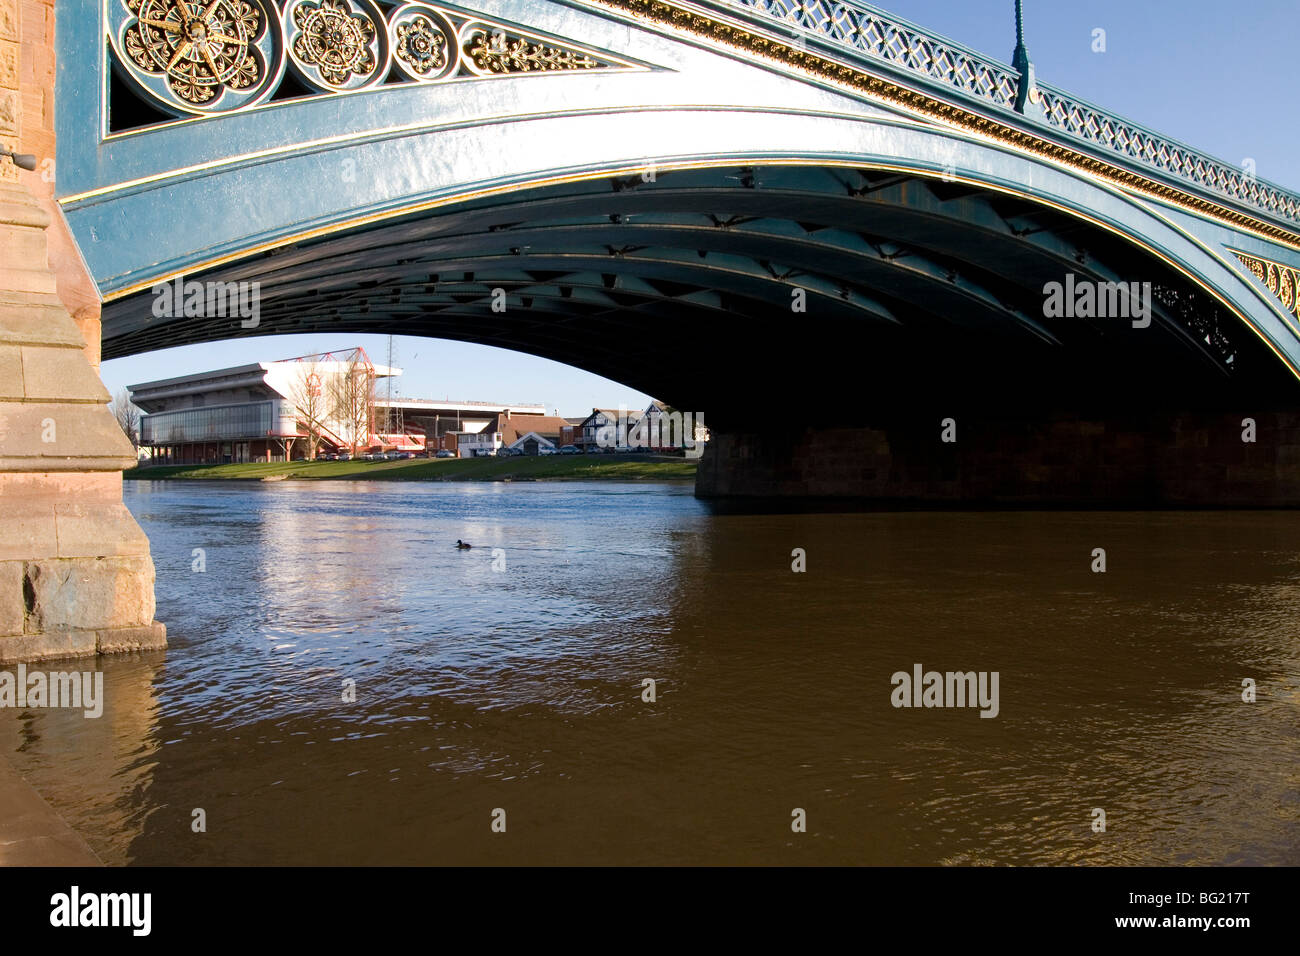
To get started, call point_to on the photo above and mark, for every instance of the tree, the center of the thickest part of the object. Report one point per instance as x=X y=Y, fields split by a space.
x=127 y=415
x=352 y=392
x=314 y=402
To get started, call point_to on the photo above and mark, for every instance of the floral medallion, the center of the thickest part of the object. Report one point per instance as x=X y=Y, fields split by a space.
x=337 y=45
x=423 y=41
x=199 y=57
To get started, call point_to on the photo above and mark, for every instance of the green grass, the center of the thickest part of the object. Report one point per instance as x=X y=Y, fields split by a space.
x=544 y=468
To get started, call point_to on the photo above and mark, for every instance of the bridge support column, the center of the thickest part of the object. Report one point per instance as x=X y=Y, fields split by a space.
x=1122 y=460
x=76 y=577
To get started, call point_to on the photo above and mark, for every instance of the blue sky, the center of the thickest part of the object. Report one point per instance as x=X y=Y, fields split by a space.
x=1219 y=76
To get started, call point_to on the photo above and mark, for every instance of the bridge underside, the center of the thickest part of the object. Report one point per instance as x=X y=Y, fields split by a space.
x=727 y=290
x=825 y=322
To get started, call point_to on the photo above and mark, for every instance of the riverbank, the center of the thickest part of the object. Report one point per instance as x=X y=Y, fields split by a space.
x=543 y=468
x=31 y=833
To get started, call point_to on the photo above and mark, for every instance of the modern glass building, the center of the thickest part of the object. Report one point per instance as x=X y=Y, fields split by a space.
x=272 y=411
x=268 y=411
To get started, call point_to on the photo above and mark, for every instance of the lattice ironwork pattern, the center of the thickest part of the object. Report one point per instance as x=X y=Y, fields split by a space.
x=877 y=34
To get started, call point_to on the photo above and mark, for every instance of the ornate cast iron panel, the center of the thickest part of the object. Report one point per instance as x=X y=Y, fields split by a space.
x=200 y=58
x=1282 y=281
x=193 y=58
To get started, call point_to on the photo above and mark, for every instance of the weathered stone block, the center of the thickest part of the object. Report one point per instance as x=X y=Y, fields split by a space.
x=97 y=529
x=29 y=534
x=48 y=647
x=19 y=490
x=8 y=111
x=46 y=433
x=36 y=323
x=9 y=19
x=60 y=374
x=11 y=373
x=12 y=608
x=8 y=65
x=121 y=640
x=89 y=593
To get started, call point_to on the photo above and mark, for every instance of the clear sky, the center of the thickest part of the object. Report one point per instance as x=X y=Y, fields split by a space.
x=1222 y=77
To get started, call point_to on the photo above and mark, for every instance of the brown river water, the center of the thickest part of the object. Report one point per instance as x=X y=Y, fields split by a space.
x=509 y=677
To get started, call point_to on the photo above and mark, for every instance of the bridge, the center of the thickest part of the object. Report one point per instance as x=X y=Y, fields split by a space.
x=699 y=198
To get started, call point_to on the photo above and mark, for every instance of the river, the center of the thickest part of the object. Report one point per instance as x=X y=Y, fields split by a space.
x=505 y=684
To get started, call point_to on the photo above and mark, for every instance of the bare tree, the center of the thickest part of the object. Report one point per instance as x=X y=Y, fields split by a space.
x=314 y=401
x=352 y=391
x=127 y=415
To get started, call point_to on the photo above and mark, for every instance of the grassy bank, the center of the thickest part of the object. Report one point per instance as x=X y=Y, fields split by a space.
x=548 y=468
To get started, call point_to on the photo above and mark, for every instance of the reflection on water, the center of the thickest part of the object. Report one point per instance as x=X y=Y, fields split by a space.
x=521 y=689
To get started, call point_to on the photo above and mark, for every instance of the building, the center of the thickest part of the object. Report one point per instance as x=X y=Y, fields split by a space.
x=510 y=429
x=444 y=420
x=534 y=444
x=658 y=428
x=571 y=431
x=277 y=411
x=266 y=411
x=600 y=430
x=665 y=430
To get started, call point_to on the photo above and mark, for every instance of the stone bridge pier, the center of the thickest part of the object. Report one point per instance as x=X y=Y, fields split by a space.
x=76 y=576
x=972 y=458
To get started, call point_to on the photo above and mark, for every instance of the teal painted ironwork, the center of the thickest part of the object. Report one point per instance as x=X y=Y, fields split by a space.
x=878 y=35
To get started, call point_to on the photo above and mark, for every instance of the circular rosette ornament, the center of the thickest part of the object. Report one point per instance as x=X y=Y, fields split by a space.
x=423 y=42
x=337 y=45
x=199 y=58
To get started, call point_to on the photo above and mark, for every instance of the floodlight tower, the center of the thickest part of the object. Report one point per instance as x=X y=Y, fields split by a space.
x=393 y=389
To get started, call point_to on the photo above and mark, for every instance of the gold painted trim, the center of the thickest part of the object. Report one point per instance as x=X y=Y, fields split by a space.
x=1217 y=253
x=611 y=63
x=420 y=126
x=772 y=49
x=427 y=205
x=1280 y=280
x=182 y=121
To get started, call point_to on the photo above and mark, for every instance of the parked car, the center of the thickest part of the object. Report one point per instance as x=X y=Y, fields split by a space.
x=503 y=452
x=543 y=450
x=569 y=450
x=344 y=456
x=444 y=453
